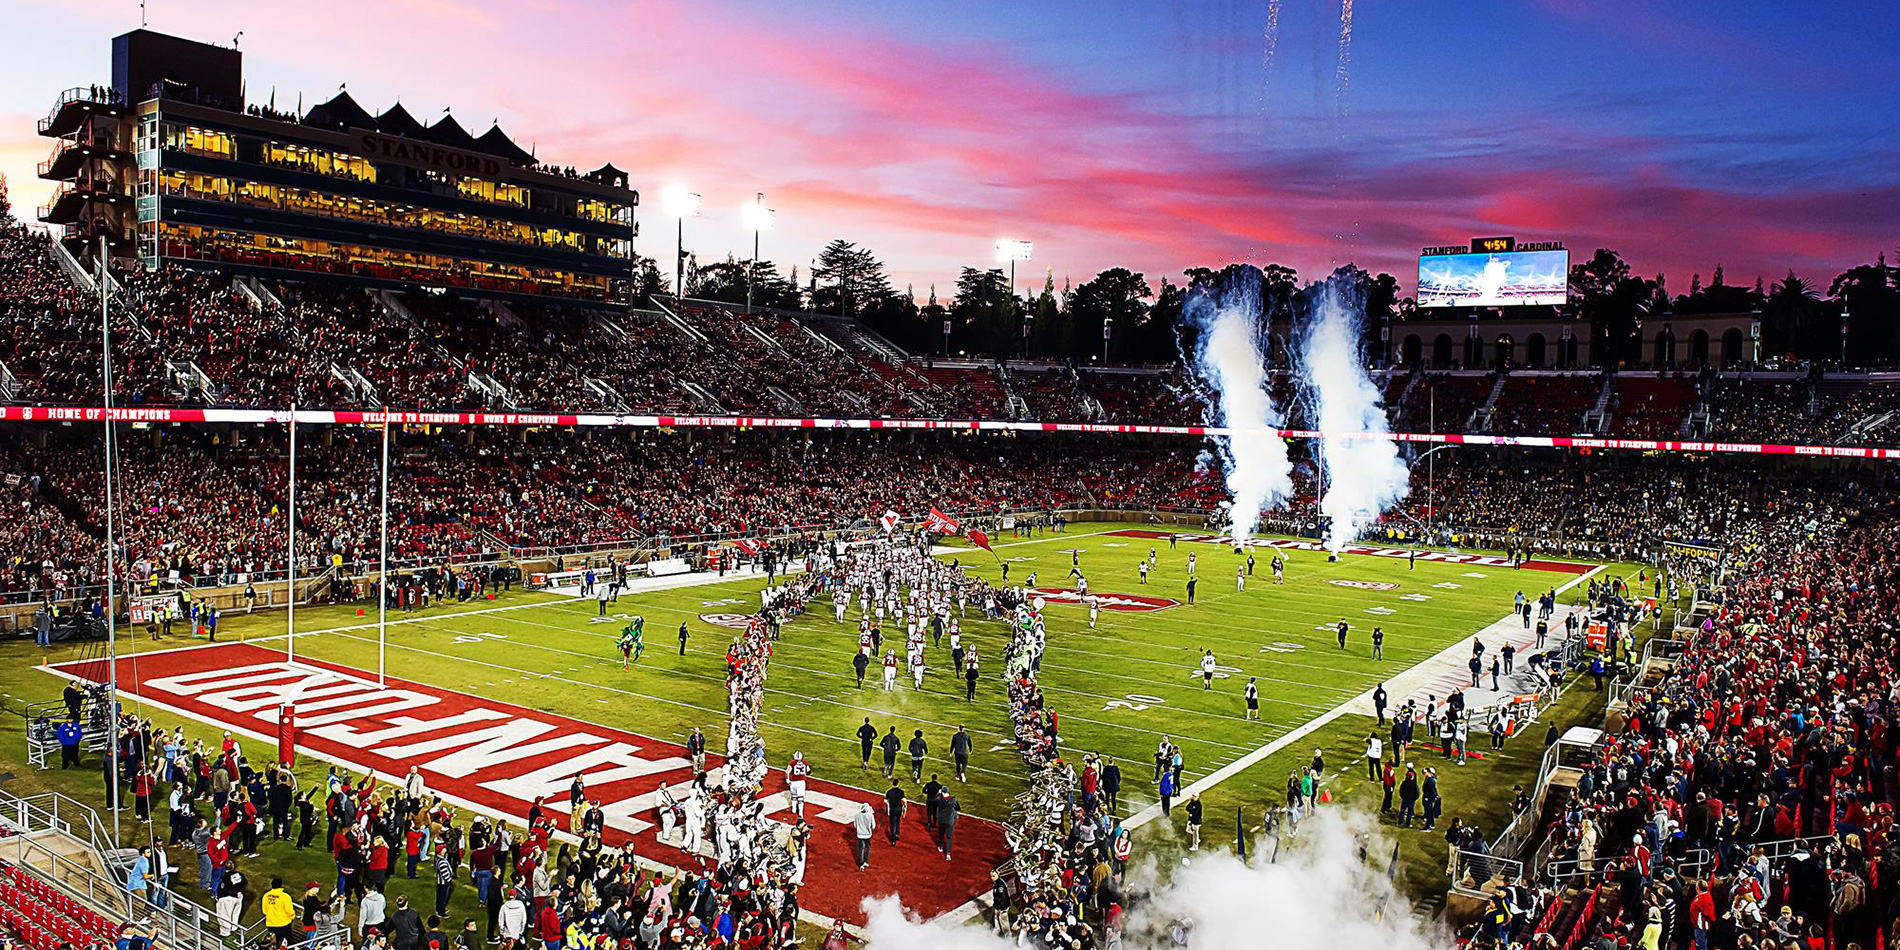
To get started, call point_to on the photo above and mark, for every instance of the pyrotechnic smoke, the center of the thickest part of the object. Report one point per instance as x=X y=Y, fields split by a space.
x=1364 y=474
x=1230 y=360
x=1320 y=893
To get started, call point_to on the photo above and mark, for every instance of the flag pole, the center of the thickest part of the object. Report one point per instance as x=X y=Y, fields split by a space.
x=382 y=565
x=1240 y=831
x=112 y=626
x=290 y=545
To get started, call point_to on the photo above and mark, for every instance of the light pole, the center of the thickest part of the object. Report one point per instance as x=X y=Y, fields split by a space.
x=759 y=218
x=1844 y=320
x=112 y=593
x=1108 y=323
x=1008 y=249
x=681 y=204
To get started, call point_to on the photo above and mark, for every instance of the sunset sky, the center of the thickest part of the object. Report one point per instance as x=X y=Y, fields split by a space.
x=1158 y=135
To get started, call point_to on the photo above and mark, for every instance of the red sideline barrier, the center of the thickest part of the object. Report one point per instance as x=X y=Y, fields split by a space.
x=1574 y=938
x=570 y=419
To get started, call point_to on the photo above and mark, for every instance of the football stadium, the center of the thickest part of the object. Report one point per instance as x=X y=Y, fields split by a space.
x=406 y=552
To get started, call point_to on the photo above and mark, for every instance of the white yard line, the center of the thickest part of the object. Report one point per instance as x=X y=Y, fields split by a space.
x=1362 y=700
x=808 y=916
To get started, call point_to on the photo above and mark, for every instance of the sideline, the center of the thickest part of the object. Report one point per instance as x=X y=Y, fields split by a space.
x=1424 y=667
x=804 y=914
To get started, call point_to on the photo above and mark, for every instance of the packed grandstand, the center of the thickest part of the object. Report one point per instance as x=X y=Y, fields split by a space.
x=1690 y=690
x=1747 y=776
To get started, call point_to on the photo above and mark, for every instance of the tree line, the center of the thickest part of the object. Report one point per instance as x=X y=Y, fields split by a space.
x=1122 y=316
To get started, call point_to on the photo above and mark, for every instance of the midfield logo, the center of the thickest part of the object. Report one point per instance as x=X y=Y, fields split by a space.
x=1056 y=595
x=1364 y=585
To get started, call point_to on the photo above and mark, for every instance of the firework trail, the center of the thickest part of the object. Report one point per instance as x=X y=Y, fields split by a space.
x=1271 y=38
x=1345 y=53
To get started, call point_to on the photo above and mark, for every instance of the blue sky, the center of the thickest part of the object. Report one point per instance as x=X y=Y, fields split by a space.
x=1158 y=135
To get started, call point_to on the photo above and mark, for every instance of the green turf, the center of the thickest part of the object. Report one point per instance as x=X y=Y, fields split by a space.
x=1119 y=688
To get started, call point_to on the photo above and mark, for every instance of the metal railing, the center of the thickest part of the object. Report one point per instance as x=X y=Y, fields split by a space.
x=78 y=273
x=179 y=921
x=1472 y=871
x=1568 y=870
x=42 y=724
x=1517 y=833
x=1655 y=648
x=104 y=95
x=1783 y=847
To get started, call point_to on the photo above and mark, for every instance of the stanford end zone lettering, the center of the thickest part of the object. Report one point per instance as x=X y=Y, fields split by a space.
x=428 y=155
x=499 y=757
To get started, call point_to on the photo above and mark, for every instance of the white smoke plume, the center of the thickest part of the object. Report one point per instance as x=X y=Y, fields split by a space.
x=1230 y=359
x=1364 y=474
x=1329 y=888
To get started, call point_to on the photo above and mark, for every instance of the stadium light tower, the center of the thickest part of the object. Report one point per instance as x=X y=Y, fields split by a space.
x=681 y=204
x=759 y=218
x=1011 y=250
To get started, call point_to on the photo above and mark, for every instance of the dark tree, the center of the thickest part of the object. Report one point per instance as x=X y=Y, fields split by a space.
x=1117 y=298
x=1872 y=306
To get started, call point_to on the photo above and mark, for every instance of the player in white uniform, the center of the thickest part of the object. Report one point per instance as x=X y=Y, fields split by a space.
x=1095 y=610
x=1240 y=579
x=1144 y=572
x=890 y=669
x=693 y=810
x=1190 y=565
x=917 y=666
x=795 y=775
x=669 y=809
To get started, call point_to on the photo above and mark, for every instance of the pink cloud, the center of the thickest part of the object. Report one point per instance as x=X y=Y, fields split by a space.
x=926 y=151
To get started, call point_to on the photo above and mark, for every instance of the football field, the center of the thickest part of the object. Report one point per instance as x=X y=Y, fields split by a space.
x=1121 y=686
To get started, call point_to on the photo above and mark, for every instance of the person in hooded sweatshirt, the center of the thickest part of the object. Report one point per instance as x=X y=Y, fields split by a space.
x=513 y=918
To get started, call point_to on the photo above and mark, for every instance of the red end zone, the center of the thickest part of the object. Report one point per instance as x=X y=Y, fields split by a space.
x=1284 y=544
x=499 y=757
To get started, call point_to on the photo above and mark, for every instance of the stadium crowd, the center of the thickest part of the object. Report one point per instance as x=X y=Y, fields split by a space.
x=184 y=337
x=1066 y=885
x=215 y=806
x=207 y=505
x=1747 y=800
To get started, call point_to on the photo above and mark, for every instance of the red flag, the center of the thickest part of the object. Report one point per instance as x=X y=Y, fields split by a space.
x=748 y=545
x=287 y=735
x=940 y=523
x=980 y=539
